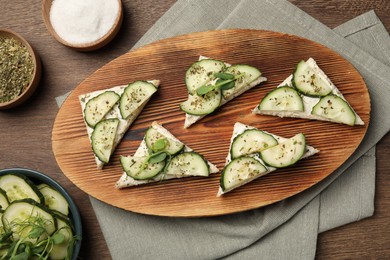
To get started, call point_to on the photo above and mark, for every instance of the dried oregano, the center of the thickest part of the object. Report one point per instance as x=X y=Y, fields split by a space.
x=16 y=68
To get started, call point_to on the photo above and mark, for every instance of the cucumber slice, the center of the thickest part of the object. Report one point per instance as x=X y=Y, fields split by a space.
x=98 y=107
x=103 y=137
x=282 y=99
x=306 y=81
x=202 y=72
x=64 y=249
x=285 y=153
x=240 y=171
x=21 y=215
x=3 y=200
x=18 y=187
x=134 y=95
x=132 y=166
x=54 y=200
x=188 y=164
x=2 y=230
x=172 y=147
x=41 y=186
x=336 y=109
x=251 y=141
x=202 y=105
x=250 y=75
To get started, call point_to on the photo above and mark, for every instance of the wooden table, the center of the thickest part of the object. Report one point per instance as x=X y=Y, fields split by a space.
x=25 y=139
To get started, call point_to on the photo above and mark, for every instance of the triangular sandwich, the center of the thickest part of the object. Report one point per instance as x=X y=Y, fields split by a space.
x=254 y=153
x=308 y=93
x=109 y=113
x=161 y=156
x=212 y=83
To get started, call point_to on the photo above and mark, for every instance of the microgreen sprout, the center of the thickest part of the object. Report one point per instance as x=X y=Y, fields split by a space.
x=224 y=81
x=31 y=238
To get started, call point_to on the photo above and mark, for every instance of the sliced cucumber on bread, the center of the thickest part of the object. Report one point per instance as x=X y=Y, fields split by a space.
x=251 y=141
x=188 y=164
x=212 y=83
x=282 y=99
x=98 y=107
x=244 y=75
x=161 y=156
x=335 y=109
x=139 y=168
x=134 y=95
x=153 y=137
x=122 y=103
x=308 y=93
x=285 y=153
x=240 y=171
x=201 y=73
x=202 y=105
x=103 y=138
x=264 y=153
x=307 y=81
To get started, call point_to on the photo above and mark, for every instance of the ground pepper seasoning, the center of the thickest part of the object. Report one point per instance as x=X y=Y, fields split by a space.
x=16 y=68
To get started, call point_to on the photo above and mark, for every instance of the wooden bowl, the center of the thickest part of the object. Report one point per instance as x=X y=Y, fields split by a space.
x=36 y=74
x=46 y=5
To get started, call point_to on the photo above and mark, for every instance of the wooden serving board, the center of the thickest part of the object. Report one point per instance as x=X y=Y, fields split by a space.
x=276 y=55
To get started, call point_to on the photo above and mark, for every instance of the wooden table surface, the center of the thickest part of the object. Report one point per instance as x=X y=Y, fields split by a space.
x=25 y=139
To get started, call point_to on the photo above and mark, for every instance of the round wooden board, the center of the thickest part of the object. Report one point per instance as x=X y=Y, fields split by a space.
x=276 y=55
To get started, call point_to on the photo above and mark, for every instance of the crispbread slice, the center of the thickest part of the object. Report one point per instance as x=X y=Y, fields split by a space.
x=308 y=102
x=124 y=124
x=239 y=128
x=192 y=119
x=142 y=151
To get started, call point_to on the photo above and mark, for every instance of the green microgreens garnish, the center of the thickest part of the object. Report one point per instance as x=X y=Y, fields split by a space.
x=157 y=157
x=37 y=243
x=166 y=167
x=226 y=86
x=156 y=154
x=222 y=75
x=225 y=81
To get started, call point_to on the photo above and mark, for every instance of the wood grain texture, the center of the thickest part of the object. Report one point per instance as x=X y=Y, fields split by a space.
x=276 y=55
x=63 y=69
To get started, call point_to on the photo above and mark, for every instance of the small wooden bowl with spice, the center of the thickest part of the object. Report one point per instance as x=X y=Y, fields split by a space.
x=20 y=69
x=83 y=25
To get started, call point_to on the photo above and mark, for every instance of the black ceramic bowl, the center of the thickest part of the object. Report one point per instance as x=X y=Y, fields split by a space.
x=74 y=215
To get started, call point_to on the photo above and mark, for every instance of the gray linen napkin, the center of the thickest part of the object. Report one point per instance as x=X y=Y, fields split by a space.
x=287 y=229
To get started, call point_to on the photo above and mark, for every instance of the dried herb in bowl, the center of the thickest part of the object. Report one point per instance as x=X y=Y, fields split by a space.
x=16 y=68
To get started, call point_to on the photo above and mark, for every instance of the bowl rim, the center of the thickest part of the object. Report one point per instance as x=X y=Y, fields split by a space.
x=84 y=47
x=31 y=87
x=75 y=215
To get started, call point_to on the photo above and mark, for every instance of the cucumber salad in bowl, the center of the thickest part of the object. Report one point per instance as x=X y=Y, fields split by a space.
x=38 y=218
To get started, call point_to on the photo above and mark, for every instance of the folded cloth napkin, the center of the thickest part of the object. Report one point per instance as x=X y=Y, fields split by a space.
x=284 y=230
